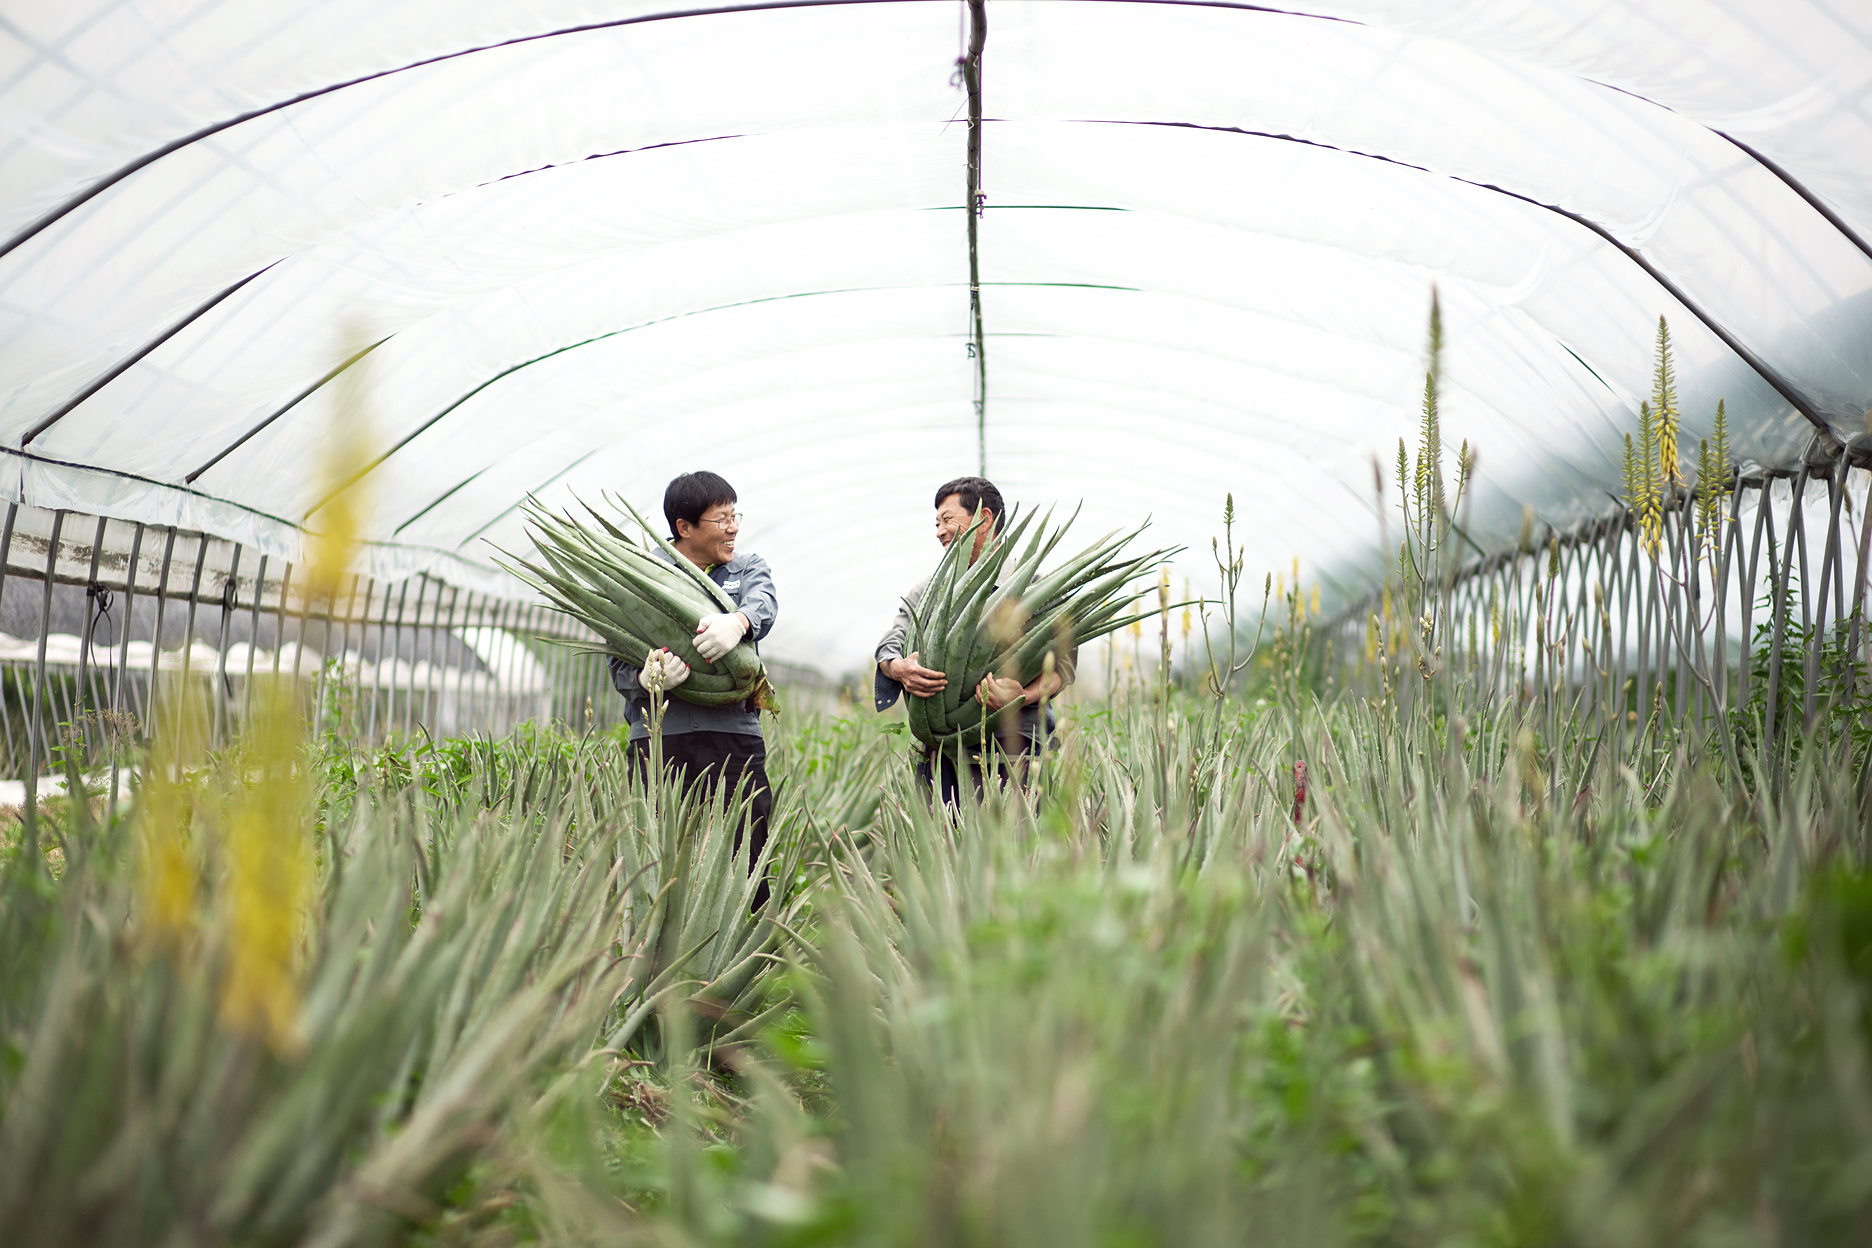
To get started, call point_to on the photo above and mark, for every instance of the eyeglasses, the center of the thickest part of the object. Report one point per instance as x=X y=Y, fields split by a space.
x=725 y=522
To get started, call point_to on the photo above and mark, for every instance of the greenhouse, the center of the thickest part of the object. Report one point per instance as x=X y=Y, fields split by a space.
x=1394 y=761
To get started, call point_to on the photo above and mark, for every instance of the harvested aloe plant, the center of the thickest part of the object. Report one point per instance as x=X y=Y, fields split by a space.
x=635 y=601
x=1000 y=615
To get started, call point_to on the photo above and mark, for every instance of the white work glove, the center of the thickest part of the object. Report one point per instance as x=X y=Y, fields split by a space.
x=662 y=671
x=716 y=635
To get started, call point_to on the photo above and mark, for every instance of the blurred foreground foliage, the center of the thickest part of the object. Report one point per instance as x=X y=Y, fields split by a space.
x=1488 y=987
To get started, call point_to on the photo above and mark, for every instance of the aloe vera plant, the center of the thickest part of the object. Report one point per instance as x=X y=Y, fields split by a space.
x=634 y=601
x=1001 y=614
x=461 y=957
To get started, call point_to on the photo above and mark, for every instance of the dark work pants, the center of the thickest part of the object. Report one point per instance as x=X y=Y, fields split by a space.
x=930 y=768
x=706 y=758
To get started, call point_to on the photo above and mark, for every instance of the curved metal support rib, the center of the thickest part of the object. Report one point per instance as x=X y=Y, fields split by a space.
x=1761 y=367
x=1799 y=188
x=514 y=506
x=150 y=157
x=291 y=403
x=136 y=357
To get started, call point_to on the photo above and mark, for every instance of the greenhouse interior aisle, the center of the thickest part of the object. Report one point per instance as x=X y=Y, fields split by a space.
x=1455 y=828
x=569 y=240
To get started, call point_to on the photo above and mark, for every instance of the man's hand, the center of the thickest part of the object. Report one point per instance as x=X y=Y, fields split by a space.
x=716 y=635
x=914 y=677
x=995 y=692
x=661 y=664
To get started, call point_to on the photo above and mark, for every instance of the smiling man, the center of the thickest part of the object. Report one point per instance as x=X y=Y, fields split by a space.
x=710 y=744
x=957 y=504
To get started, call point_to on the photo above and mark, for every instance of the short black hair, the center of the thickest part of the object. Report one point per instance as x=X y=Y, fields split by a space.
x=976 y=493
x=691 y=494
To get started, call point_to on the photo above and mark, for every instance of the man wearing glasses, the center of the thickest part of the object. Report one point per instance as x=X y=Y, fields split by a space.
x=958 y=502
x=711 y=744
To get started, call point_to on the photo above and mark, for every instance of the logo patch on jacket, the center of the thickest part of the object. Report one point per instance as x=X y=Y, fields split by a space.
x=731 y=586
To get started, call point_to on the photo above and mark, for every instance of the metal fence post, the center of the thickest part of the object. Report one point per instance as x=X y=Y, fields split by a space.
x=122 y=674
x=150 y=724
x=84 y=640
x=253 y=644
x=279 y=626
x=224 y=688
x=36 y=727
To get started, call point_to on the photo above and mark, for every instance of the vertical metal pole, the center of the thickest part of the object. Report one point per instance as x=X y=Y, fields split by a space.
x=84 y=644
x=230 y=591
x=555 y=668
x=253 y=644
x=1664 y=618
x=555 y=674
x=6 y=545
x=443 y=645
x=317 y=691
x=305 y=626
x=1839 y=572
x=416 y=654
x=473 y=618
x=6 y=571
x=1624 y=561
x=1764 y=525
x=299 y=644
x=1797 y=538
x=36 y=725
x=551 y=700
x=1604 y=604
x=194 y=602
x=464 y=717
x=450 y=647
x=1642 y=592
x=1859 y=586
x=971 y=70
x=390 y=708
x=329 y=608
x=279 y=624
x=327 y=668
x=1682 y=607
x=122 y=675
x=150 y=724
x=1728 y=539
x=504 y=695
x=377 y=680
x=442 y=642
x=484 y=683
x=1693 y=582
x=1829 y=566
x=1780 y=589
x=362 y=619
x=479 y=684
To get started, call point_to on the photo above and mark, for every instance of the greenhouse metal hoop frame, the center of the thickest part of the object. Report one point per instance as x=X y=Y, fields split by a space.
x=970 y=70
x=1652 y=629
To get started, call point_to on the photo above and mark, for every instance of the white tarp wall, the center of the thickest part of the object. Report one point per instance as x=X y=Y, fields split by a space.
x=598 y=244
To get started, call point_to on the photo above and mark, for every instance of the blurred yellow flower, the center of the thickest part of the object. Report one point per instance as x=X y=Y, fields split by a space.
x=169 y=872
x=269 y=874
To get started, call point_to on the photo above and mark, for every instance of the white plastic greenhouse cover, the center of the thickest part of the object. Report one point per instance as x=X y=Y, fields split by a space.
x=598 y=244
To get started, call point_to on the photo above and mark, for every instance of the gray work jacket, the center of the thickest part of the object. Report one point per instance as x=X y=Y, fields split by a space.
x=886 y=691
x=749 y=582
